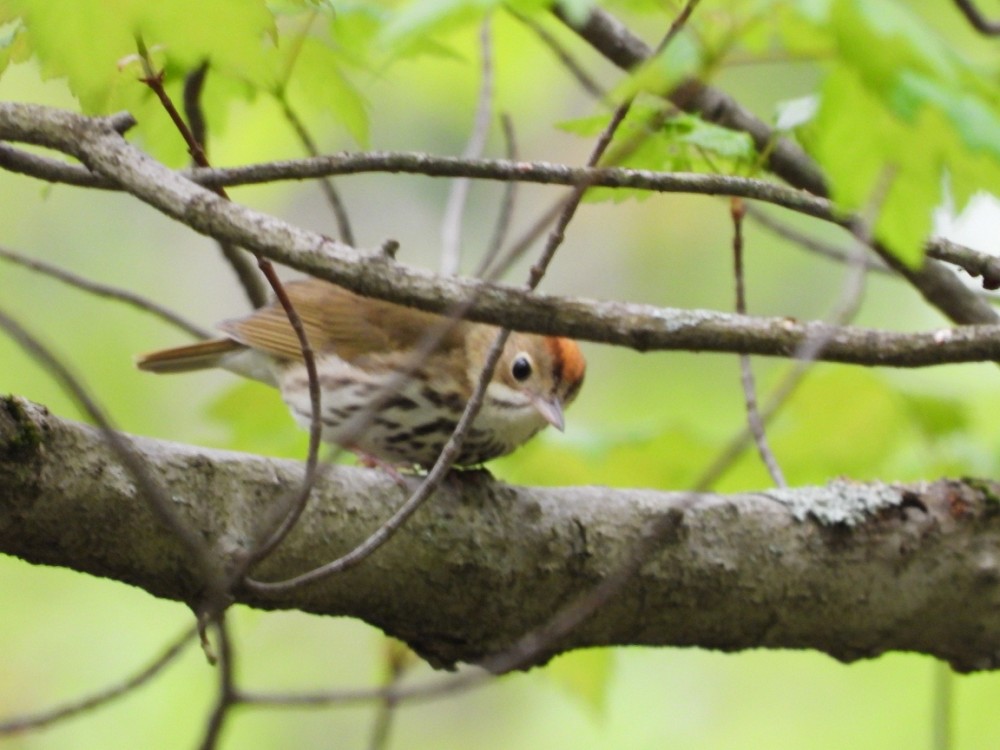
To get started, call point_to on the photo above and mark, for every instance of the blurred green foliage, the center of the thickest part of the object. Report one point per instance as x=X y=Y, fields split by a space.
x=904 y=106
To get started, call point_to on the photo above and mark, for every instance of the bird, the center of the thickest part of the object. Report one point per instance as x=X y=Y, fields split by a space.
x=362 y=345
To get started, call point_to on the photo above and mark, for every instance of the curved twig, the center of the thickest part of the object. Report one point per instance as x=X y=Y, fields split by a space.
x=105 y=290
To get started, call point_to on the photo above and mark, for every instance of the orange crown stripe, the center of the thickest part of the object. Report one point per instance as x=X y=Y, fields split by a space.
x=569 y=364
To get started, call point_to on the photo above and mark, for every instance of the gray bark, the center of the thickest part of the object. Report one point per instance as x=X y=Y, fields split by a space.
x=851 y=569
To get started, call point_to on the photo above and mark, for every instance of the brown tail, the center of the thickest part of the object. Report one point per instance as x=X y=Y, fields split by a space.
x=186 y=358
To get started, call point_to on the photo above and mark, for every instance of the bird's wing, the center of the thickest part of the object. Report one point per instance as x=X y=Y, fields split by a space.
x=336 y=321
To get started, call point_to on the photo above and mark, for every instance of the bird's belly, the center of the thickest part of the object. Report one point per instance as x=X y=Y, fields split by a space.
x=406 y=426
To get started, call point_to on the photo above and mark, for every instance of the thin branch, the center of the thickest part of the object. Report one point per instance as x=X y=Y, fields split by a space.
x=975 y=17
x=506 y=212
x=330 y=192
x=811 y=349
x=46 y=718
x=588 y=83
x=451 y=223
x=52 y=170
x=294 y=503
x=48 y=169
x=544 y=173
x=810 y=243
x=104 y=290
x=754 y=421
x=488 y=169
x=227 y=696
x=973 y=262
x=194 y=85
x=398 y=658
x=248 y=278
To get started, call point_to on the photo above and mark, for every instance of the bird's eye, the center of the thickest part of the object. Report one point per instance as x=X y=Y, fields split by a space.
x=521 y=369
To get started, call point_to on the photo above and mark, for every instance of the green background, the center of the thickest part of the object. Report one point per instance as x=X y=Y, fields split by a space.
x=642 y=420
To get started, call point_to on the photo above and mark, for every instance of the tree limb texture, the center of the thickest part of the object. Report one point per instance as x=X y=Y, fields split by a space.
x=851 y=569
x=99 y=145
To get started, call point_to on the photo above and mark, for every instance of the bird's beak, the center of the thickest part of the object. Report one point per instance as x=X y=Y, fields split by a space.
x=550 y=408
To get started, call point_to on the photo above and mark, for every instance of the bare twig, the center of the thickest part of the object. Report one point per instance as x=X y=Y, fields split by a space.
x=227 y=695
x=154 y=80
x=194 y=85
x=294 y=503
x=811 y=349
x=489 y=169
x=105 y=290
x=975 y=263
x=506 y=212
x=810 y=243
x=45 y=718
x=451 y=223
x=397 y=659
x=330 y=192
x=755 y=423
x=975 y=17
x=589 y=84
x=51 y=170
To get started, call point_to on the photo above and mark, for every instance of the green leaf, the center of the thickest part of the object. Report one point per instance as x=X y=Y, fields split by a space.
x=976 y=123
x=841 y=422
x=683 y=143
x=421 y=18
x=13 y=47
x=900 y=109
x=585 y=674
x=318 y=83
x=868 y=156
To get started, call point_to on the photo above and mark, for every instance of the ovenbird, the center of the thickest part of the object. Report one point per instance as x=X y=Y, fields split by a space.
x=360 y=344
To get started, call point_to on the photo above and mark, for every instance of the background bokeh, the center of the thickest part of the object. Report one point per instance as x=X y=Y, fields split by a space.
x=645 y=420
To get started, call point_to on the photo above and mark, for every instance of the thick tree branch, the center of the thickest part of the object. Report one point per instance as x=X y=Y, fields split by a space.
x=851 y=569
x=99 y=144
